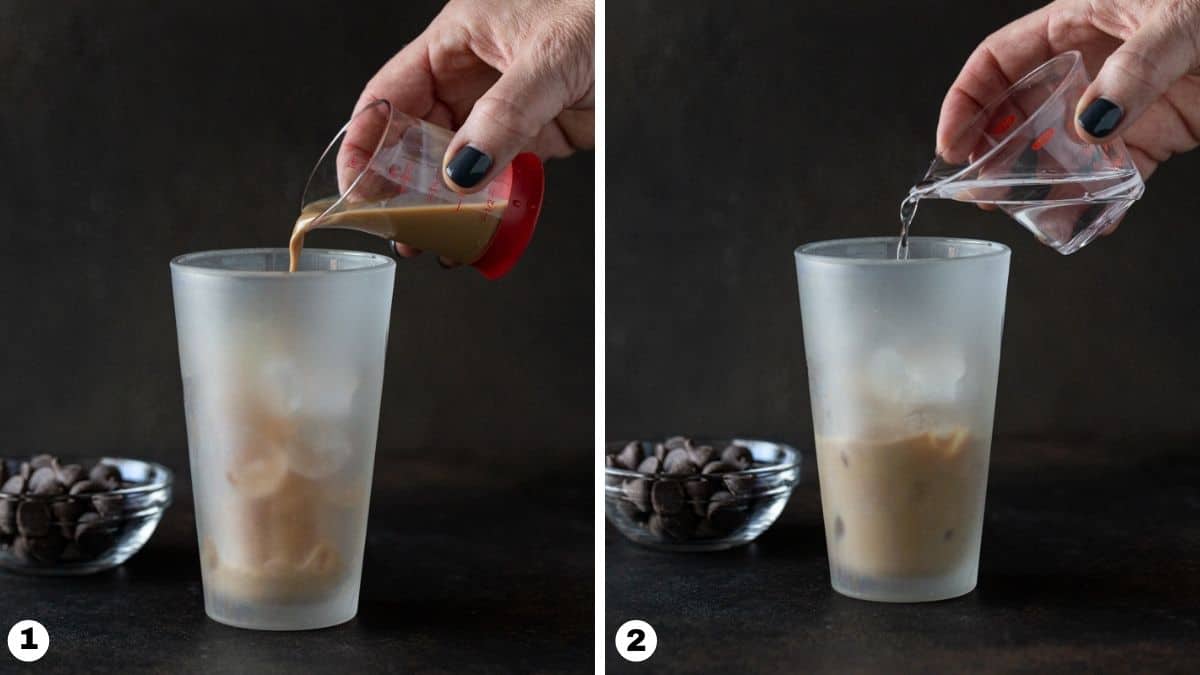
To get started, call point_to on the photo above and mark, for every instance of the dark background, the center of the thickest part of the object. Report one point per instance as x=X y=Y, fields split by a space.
x=737 y=131
x=133 y=132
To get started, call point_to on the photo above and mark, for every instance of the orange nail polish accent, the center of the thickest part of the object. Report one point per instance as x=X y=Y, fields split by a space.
x=1042 y=139
x=1003 y=125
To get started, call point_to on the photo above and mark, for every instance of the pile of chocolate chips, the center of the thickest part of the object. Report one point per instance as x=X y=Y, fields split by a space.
x=58 y=513
x=689 y=491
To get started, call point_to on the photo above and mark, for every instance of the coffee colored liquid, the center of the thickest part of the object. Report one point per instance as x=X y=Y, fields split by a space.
x=460 y=232
x=904 y=507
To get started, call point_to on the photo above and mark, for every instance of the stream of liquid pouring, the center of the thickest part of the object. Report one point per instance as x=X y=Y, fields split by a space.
x=908 y=211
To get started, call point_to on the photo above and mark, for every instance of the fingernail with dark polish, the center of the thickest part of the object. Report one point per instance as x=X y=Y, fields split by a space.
x=1101 y=117
x=468 y=167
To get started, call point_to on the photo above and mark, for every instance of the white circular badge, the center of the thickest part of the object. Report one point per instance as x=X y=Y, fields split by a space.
x=28 y=640
x=636 y=640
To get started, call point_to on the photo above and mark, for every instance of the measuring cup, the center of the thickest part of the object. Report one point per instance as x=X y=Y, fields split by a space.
x=1022 y=154
x=391 y=185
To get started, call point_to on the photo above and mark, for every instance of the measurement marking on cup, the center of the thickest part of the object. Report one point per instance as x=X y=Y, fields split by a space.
x=1003 y=125
x=1042 y=139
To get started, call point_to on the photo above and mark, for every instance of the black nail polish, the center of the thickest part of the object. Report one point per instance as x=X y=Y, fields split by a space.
x=468 y=167
x=1101 y=117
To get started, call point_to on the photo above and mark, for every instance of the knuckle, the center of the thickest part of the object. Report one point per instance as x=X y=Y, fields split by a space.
x=1138 y=69
x=507 y=117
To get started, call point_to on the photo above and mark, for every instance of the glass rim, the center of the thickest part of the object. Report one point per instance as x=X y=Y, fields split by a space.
x=990 y=249
x=184 y=263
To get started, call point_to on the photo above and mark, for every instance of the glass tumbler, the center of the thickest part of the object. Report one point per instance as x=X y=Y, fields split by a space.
x=282 y=374
x=902 y=363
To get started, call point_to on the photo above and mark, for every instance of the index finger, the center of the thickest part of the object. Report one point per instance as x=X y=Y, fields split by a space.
x=999 y=61
x=406 y=82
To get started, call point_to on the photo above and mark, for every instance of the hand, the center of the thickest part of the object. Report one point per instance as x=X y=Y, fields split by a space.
x=510 y=75
x=1146 y=56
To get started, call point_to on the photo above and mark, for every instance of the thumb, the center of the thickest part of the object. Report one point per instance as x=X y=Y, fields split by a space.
x=505 y=120
x=1135 y=76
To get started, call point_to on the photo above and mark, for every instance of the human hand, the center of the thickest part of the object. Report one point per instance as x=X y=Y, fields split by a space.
x=1146 y=56
x=510 y=76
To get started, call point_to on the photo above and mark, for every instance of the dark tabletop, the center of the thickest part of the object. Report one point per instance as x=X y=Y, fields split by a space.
x=476 y=562
x=1090 y=563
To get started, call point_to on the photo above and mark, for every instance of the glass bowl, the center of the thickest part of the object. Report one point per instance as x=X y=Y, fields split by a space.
x=85 y=533
x=717 y=511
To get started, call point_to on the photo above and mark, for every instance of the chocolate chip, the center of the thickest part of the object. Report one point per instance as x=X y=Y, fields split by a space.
x=649 y=465
x=667 y=496
x=718 y=467
x=40 y=461
x=70 y=474
x=33 y=518
x=679 y=463
x=703 y=455
x=108 y=506
x=106 y=474
x=44 y=483
x=92 y=536
x=845 y=459
x=15 y=485
x=630 y=456
x=839 y=528
x=46 y=550
x=698 y=491
x=67 y=513
x=676 y=455
x=676 y=527
x=8 y=516
x=739 y=483
x=738 y=455
x=86 y=487
x=630 y=510
x=610 y=462
x=655 y=526
x=949 y=535
x=677 y=442
x=683 y=467
x=637 y=491
x=724 y=513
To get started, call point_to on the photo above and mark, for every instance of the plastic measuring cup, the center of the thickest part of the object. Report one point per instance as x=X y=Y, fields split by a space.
x=1021 y=153
x=400 y=193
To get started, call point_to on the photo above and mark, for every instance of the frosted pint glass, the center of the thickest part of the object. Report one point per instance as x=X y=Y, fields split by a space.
x=282 y=374
x=902 y=364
